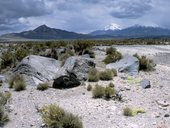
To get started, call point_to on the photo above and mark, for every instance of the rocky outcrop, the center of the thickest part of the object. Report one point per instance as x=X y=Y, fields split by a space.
x=40 y=69
x=128 y=64
x=79 y=66
x=37 y=69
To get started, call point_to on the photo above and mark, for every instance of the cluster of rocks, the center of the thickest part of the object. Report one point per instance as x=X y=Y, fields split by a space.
x=75 y=69
x=42 y=69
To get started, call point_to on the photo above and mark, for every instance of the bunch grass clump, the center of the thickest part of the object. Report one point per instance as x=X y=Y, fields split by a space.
x=89 y=87
x=145 y=64
x=132 y=112
x=4 y=97
x=98 y=91
x=109 y=92
x=42 y=87
x=55 y=117
x=112 y=55
x=106 y=75
x=17 y=82
x=93 y=75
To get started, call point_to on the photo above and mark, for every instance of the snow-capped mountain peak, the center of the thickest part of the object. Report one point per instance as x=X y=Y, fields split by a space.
x=113 y=26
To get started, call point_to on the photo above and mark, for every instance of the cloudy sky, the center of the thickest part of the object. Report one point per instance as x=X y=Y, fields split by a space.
x=82 y=15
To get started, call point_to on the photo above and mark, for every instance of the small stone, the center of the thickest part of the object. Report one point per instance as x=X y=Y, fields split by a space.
x=166 y=115
x=163 y=103
x=145 y=83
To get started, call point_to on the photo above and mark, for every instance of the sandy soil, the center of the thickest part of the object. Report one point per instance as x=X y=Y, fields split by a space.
x=99 y=113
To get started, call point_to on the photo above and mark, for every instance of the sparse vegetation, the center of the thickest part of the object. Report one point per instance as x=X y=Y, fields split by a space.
x=111 y=85
x=145 y=64
x=7 y=59
x=43 y=86
x=17 y=82
x=109 y=92
x=132 y=112
x=55 y=117
x=93 y=75
x=89 y=87
x=112 y=55
x=98 y=91
x=106 y=75
x=4 y=97
x=21 y=53
x=89 y=52
x=114 y=72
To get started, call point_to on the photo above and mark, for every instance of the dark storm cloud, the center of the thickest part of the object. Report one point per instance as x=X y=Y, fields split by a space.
x=11 y=10
x=130 y=9
x=82 y=15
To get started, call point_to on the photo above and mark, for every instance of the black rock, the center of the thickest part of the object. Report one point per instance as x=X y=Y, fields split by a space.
x=166 y=115
x=145 y=83
x=66 y=81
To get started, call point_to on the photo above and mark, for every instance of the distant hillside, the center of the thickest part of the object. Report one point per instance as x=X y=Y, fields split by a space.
x=45 y=32
x=134 y=32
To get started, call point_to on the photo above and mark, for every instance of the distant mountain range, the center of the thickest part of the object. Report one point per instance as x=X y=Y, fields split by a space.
x=44 y=32
x=134 y=32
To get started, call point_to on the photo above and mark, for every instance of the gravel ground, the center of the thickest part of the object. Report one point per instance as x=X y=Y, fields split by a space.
x=99 y=113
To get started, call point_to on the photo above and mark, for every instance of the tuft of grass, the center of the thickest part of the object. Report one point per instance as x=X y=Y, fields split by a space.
x=89 y=87
x=3 y=116
x=98 y=91
x=106 y=75
x=112 y=55
x=90 y=52
x=4 y=97
x=17 y=82
x=93 y=75
x=132 y=112
x=55 y=117
x=114 y=71
x=42 y=87
x=145 y=64
x=111 y=85
x=71 y=121
x=109 y=92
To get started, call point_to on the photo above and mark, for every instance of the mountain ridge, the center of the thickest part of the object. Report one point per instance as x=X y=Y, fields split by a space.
x=44 y=32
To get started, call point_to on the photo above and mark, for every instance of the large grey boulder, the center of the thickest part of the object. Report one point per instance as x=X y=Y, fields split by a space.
x=128 y=64
x=78 y=65
x=37 y=68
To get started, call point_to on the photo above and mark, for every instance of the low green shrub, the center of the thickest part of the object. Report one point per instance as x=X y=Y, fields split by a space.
x=145 y=64
x=89 y=52
x=106 y=75
x=4 y=97
x=3 y=116
x=17 y=82
x=110 y=50
x=132 y=112
x=55 y=117
x=111 y=58
x=111 y=85
x=93 y=75
x=8 y=59
x=89 y=87
x=21 y=53
x=127 y=111
x=42 y=87
x=71 y=121
x=98 y=91
x=109 y=92
x=114 y=72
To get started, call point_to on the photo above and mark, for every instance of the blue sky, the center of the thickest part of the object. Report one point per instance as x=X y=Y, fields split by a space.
x=82 y=15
